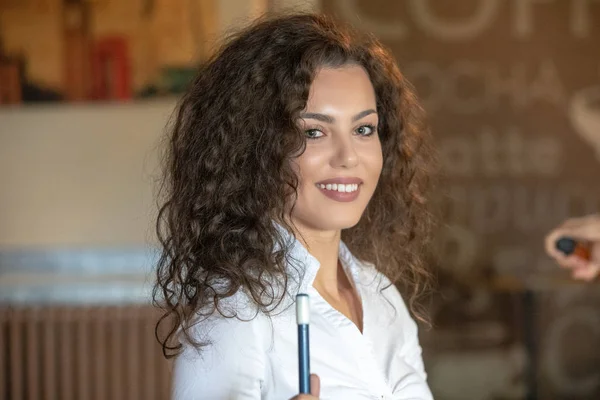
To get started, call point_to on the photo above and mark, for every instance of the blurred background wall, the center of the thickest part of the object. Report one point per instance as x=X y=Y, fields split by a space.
x=512 y=89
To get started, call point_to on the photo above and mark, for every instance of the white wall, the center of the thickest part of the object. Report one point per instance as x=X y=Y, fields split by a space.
x=79 y=175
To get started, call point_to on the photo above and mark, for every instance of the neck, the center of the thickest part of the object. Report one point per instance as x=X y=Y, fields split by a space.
x=324 y=246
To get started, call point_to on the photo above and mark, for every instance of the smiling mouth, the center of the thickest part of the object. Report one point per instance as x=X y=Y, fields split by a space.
x=340 y=192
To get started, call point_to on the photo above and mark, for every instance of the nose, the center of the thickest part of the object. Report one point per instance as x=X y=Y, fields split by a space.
x=345 y=154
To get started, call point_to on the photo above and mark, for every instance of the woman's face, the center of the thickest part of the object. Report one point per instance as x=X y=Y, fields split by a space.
x=340 y=168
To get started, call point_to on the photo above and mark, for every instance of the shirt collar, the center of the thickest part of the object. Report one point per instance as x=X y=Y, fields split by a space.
x=303 y=266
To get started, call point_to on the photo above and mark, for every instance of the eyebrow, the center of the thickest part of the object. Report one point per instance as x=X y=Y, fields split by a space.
x=330 y=120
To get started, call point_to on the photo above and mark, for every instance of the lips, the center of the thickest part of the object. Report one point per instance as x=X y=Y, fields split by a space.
x=340 y=189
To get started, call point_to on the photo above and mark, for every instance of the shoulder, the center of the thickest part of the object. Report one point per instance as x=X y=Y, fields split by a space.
x=233 y=358
x=372 y=282
x=237 y=323
x=384 y=298
x=392 y=315
x=376 y=282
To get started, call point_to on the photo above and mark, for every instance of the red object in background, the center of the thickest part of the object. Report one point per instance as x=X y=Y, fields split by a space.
x=111 y=79
x=582 y=251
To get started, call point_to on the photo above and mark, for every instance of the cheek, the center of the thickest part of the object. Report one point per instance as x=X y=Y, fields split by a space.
x=373 y=160
x=307 y=167
x=378 y=163
x=379 y=156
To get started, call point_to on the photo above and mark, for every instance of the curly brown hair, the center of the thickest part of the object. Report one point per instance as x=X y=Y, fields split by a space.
x=228 y=172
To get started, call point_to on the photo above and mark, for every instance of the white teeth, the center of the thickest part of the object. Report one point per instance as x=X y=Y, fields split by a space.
x=351 y=187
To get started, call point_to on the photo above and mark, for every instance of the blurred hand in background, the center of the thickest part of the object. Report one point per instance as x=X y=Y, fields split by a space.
x=586 y=231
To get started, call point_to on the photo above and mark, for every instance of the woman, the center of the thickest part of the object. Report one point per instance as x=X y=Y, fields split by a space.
x=585 y=230
x=297 y=134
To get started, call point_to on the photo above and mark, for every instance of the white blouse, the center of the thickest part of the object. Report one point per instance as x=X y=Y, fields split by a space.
x=258 y=358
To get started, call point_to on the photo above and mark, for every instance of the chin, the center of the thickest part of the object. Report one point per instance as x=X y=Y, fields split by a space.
x=328 y=218
x=335 y=223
